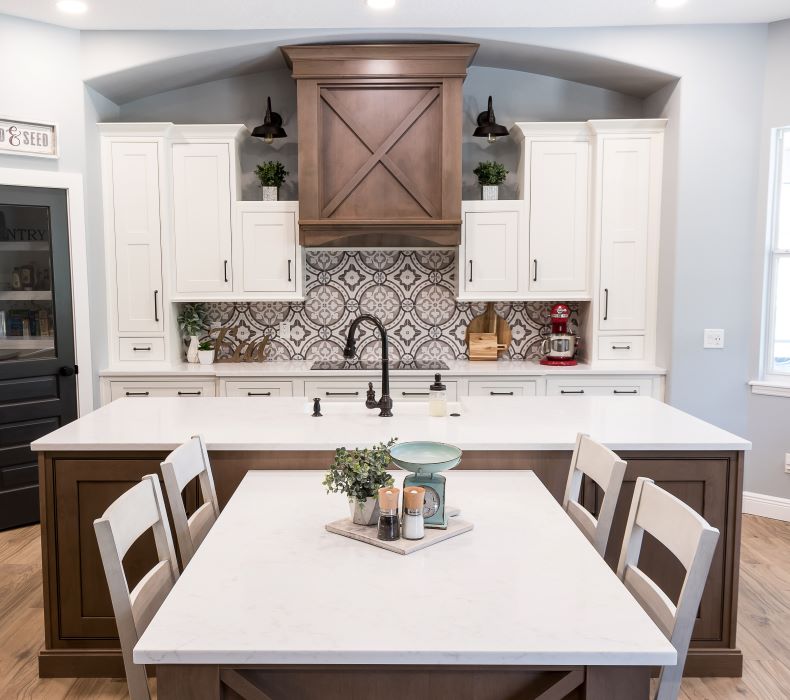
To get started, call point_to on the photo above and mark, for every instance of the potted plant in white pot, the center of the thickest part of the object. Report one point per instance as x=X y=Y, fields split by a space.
x=271 y=175
x=191 y=321
x=360 y=474
x=206 y=352
x=490 y=175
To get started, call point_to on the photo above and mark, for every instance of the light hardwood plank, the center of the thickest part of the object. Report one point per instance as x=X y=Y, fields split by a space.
x=763 y=629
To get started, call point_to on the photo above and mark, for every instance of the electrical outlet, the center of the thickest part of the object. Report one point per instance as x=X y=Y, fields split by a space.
x=787 y=462
x=285 y=330
x=714 y=338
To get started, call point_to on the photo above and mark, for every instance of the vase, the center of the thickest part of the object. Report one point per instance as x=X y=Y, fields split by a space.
x=364 y=512
x=269 y=194
x=206 y=357
x=490 y=192
x=192 y=350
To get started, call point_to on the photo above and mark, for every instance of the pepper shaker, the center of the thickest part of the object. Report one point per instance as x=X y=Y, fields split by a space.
x=389 y=527
x=413 y=523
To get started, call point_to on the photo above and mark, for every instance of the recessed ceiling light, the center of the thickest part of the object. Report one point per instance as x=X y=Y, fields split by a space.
x=669 y=4
x=72 y=7
x=381 y=4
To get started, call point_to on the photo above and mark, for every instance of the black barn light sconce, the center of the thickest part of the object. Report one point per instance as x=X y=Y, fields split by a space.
x=486 y=124
x=272 y=127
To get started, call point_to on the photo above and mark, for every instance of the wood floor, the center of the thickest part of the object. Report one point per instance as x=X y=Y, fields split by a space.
x=763 y=630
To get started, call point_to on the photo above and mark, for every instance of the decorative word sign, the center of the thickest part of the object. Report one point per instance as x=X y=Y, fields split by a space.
x=28 y=138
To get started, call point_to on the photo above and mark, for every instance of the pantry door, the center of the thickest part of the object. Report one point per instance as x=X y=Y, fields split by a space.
x=38 y=386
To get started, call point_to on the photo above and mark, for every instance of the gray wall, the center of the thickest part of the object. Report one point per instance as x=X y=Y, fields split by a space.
x=769 y=417
x=518 y=96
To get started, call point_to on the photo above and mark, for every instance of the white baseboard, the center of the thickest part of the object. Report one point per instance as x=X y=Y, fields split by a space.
x=766 y=506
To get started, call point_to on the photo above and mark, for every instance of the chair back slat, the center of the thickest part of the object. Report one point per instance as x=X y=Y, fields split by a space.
x=607 y=470
x=181 y=466
x=693 y=541
x=139 y=509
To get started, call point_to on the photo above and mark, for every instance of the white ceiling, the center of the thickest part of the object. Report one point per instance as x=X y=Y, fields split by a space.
x=348 y=14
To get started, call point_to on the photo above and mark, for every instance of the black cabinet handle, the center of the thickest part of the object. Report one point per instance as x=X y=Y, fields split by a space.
x=414 y=393
x=501 y=393
x=470 y=270
x=66 y=371
x=145 y=349
x=156 y=306
x=226 y=270
x=341 y=393
x=289 y=270
x=137 y=393
x=606 y=305
x=259 y=393
x=535 y=275
x=190 y=393
x=621 y=347
x=576 y=391
x=631 y=391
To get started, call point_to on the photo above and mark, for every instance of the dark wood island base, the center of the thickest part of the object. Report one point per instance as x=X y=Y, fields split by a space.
x=76 y=487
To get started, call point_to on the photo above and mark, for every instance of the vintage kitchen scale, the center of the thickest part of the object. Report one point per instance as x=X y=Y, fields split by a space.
x=425 y=460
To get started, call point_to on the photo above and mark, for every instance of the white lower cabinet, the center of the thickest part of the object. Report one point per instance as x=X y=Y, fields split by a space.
x=599 y=386
x=151 y=388
x=350 y=390
x=255 y=389
x=502 y=388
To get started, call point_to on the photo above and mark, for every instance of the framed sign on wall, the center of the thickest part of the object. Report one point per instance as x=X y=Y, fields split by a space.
x=28 y=138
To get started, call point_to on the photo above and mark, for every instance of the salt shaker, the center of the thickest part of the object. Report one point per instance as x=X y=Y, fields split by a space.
x=389 y=527
x=437 y=399
x=413 y=524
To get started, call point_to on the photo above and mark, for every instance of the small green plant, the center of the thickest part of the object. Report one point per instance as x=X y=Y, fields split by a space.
x=192 y=318
x=272 y=173
x=205 y=345
x=490 y=172
x=360 y=473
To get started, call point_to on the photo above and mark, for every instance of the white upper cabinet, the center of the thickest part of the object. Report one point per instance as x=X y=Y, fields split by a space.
x=202 y=195
x=490 y=250
x=268 y=258
x=557 y=191
x=625 y=220
x=132 y=217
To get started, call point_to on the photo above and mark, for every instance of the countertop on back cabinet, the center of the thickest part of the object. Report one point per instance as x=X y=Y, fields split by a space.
x=485 y=424
x=301 y=368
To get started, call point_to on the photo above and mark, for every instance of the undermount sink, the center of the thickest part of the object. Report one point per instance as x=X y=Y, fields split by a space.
x=357 y=408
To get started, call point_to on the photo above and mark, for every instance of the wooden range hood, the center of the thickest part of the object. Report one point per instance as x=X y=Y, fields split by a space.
x=379 y=143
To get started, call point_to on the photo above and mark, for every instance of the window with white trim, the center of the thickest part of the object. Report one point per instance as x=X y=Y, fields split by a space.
x=777 y=359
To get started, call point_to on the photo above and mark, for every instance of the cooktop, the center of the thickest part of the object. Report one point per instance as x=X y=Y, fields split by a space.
x=360 y=365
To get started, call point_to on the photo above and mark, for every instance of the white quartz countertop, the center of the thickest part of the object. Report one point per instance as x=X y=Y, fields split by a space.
x=269 y=585
x=301 y=368
x=485 y=423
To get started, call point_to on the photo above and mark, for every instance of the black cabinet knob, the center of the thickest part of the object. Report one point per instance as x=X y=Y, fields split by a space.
x=66 y=371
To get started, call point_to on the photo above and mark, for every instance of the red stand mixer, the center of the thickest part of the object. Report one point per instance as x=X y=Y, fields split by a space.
x=560 y=345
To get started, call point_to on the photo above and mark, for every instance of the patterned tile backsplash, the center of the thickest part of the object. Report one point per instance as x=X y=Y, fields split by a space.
x=412 y=292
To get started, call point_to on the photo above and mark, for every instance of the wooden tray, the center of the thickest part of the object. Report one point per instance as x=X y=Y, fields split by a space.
x=367 y=533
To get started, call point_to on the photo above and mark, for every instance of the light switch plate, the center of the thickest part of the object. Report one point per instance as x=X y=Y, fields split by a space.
x=714 y=338
x=787 y=462
x=285 y=330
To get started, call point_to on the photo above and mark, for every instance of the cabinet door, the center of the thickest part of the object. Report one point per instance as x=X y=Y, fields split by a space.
x=268 y=251
x=625 y=198
x=491 y=252
x=558 y=221
x=201 y=217
x=136 y=220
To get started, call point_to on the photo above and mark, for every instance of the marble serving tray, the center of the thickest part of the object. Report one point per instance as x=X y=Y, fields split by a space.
x=367 y=533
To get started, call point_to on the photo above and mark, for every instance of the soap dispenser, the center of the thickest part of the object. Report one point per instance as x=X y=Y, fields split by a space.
x=437 y=398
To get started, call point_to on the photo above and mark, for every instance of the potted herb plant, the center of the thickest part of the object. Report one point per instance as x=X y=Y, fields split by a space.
x=490 y=175
x=206 y=352
x=191 y=321
x=271 y=175
x=360 y=474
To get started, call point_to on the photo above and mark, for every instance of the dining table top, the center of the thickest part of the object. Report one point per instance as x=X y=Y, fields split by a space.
x=270 y=585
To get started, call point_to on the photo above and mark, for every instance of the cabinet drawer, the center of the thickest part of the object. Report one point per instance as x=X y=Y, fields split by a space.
x=349 y=390
x=499 y=388
x=621 y=347
x=141 y=349
x=605 y=386
x=255 y=389
x=147 y=389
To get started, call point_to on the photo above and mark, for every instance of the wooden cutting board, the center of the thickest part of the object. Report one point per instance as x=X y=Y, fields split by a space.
x=490 y=322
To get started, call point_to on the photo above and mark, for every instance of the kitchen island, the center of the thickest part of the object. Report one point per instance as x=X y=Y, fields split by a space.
x=85 y=465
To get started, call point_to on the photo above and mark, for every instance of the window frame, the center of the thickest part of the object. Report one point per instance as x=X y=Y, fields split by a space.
x=780 y=139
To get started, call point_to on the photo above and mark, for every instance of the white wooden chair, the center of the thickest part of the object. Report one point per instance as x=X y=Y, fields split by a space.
x=689 y=537
x=606 y=469
x=139 y=509
x=179 y=468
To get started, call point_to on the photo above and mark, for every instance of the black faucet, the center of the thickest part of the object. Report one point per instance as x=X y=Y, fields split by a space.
x=385 y=402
